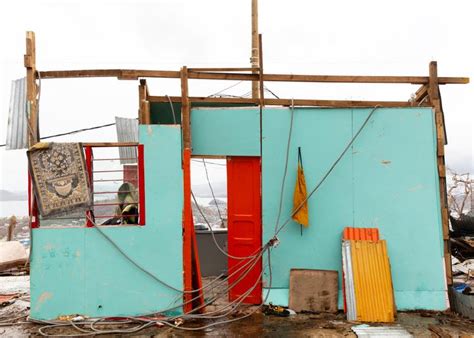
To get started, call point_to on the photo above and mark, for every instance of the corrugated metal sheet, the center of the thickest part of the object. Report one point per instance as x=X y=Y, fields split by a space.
x=380 y=331
x=17 y=129
x=127 y=131
x=361 y=234
x=372 y=281
x=348 y=281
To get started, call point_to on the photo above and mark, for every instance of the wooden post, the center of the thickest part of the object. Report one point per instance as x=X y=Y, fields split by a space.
x=185 y=109
x=435 y=101
x=11 y=228
x=255 y=49
x=31 y=88
x=142 y=90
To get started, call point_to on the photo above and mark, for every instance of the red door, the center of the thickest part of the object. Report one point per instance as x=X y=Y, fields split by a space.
x=244 y=225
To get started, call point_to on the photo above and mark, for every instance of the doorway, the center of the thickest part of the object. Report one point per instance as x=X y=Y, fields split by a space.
x=227 y=198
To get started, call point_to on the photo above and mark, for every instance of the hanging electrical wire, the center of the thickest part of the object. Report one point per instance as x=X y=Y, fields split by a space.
x=144 y=322
x=285 y=170
x=271 y=92
x=329 y=170
x=227 y=88
x=172 y=109
x=72 y=132
x=212 y=192
x=213 y=235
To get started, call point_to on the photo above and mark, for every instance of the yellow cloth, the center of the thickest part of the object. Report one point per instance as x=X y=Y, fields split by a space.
x=301 y=216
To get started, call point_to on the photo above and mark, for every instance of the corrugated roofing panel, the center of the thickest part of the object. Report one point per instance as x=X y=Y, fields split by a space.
x=372 y=281
x=361 y=234
x=348 y=281
x=127 y=131
x=17 y=129
x=380 y=331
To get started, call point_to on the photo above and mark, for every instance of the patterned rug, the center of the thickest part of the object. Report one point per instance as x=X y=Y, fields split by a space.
x=60 y=178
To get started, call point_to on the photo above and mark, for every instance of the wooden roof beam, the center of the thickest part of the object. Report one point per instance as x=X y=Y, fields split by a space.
x=135 y=74
x=285 y=102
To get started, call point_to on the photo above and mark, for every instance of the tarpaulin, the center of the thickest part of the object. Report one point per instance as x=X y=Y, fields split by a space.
x=300 y=195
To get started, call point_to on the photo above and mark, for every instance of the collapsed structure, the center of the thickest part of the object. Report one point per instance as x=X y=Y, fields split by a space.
x=367 y=164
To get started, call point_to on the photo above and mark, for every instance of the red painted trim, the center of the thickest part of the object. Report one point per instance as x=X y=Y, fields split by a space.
x=187 y=230
x=141 y=185
x=32 y=207
x=89 y=167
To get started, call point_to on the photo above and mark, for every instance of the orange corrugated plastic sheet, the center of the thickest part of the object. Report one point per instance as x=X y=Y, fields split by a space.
x=361 y=234
x=299 y=196
x=372 y=281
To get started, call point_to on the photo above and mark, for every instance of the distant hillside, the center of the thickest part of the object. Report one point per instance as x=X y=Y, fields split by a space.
x=202 y=190
x=6 y=195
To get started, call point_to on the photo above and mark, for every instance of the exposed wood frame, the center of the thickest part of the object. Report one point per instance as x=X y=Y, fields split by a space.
x=420 y=95
x=31 y=88
x=435 y=101
x=185 y=109
x=142 y=96
x=260 y=73
x=135 y=74
x=254 y=52
x=287 y=102
x=235 y=69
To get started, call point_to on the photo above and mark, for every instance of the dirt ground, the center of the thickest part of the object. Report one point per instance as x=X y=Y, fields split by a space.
x=14 y=322
x=419 y=324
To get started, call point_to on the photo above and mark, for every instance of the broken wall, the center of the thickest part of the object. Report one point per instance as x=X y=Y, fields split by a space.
x=75 y=270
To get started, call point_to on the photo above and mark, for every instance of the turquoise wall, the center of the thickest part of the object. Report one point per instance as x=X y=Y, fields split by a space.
x=387 y=180
x=225 y=131
x=77 y=271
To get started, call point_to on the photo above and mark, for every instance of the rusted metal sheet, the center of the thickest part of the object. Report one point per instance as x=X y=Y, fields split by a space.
x=361 y=234
x=17 y=130
x=127 y=131
x=372 y=281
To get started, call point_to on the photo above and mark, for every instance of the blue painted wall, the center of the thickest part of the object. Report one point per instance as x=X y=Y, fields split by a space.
x=387 y=180
x=77 y=271
x=225 y=131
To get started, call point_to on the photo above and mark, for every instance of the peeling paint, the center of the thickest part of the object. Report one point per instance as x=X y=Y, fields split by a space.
x=42 y=298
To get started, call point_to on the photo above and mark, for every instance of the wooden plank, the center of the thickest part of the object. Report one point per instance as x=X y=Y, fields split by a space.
x=228 y=69
x=146 y=112
x=31 y=88
x=421 y=94
x=254 y=53
x=185 y=109
x=287 y=102
x=134 y=74
x=142 y=90
x=434 y=100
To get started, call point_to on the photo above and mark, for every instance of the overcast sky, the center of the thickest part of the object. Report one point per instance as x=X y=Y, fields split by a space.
x=312 y=37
